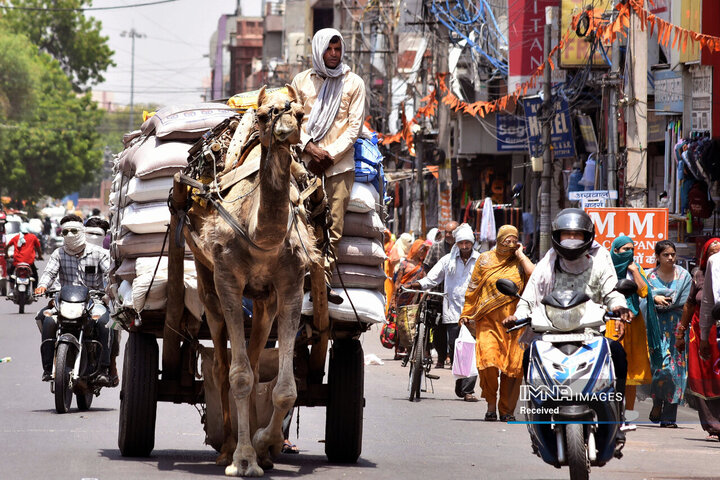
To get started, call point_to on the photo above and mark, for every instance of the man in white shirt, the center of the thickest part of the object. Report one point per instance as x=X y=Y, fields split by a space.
x=454 y=271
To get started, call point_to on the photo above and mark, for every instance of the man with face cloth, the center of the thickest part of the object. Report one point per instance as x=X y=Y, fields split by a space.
x=76 y=263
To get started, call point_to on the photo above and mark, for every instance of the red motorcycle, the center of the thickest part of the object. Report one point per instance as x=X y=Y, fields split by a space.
x=23 y=285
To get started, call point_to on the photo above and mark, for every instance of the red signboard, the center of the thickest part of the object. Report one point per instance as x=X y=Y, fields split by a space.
x=646 y=226
x=526 y=20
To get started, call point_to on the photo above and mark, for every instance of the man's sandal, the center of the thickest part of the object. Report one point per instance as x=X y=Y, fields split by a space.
x=491 y=417
x=289 y=448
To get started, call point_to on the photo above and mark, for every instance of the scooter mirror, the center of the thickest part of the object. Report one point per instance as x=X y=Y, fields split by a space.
x=716 y=311
x=507 y=287
x=626 y=286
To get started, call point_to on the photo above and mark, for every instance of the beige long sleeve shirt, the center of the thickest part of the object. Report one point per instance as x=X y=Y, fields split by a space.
x=340 y=138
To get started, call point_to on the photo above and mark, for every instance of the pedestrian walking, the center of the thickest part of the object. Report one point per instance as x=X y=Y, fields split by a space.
x=670 y=285
x=703 y=381
x=499 y=354
x=454 y=271
x=635 y=340
x=439 y=249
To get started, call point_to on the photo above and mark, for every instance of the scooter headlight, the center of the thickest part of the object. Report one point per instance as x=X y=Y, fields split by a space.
x=71 y=311
x=565 y=319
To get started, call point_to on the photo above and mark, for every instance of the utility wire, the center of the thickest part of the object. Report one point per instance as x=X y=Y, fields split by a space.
x=84 y=9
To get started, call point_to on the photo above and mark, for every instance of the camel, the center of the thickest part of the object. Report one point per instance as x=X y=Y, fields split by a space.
x=270 y=272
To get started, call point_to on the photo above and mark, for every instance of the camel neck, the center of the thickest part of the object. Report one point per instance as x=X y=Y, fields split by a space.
x=273 y=206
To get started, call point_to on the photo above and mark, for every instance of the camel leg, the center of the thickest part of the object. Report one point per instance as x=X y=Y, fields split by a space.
x=221 y=365
x=268 y=441
x=241 y=375
x=264 y=312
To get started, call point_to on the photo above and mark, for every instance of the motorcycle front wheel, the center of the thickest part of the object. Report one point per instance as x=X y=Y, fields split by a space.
x=22 y=300
x=64 y=361
x=576 y=452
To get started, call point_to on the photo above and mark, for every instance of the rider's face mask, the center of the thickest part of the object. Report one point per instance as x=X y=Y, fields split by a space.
x=572 y=242
x=73 y=237
x=95 y=235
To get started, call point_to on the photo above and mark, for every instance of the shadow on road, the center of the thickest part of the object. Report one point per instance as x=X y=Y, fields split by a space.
x=76 y=411
x=202 y=462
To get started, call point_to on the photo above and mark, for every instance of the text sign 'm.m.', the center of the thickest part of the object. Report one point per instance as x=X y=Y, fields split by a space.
x=646 y=226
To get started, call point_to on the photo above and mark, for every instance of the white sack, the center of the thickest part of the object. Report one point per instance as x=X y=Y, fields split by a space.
x=146 y=218
x=360 y=251
x=370 y=306
x=363 y=198
x=153 y=190
x=359 y=276
x=367 y=225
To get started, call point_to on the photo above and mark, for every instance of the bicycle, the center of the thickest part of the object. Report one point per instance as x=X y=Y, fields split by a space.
x=420 y=363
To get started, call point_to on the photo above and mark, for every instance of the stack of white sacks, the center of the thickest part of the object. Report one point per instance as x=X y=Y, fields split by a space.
x=360 y=255
x=143 y=177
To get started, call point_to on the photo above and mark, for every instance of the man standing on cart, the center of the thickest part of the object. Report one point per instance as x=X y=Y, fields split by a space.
x=333 y=100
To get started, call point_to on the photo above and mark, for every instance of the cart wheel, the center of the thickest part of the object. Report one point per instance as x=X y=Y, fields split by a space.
x=138 y=397
x=344 y=416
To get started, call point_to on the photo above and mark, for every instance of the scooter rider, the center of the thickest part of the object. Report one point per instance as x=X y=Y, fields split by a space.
x=577 y=262
x=26 y=247
x=76 y=263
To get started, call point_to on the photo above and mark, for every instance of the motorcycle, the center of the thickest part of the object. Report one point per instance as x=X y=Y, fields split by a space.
x=573 y=411
x=22 y=284
x=76 y=310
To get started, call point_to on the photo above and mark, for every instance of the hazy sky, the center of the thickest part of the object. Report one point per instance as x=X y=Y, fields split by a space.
x=170 y=62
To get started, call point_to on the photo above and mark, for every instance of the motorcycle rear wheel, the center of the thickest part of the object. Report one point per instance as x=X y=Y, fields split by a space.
x=21 y=300
x=576 y=452
x=64 y=361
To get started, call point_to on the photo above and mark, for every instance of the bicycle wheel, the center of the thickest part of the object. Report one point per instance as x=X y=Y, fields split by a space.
x=416 y=363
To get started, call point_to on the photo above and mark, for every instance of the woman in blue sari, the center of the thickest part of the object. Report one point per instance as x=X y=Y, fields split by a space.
x=670 y=286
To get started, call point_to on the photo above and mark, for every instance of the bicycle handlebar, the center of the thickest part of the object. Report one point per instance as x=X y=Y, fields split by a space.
x=411 y=290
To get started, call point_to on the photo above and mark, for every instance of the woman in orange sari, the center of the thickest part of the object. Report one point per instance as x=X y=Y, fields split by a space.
x=498 y=353
x=410 y=270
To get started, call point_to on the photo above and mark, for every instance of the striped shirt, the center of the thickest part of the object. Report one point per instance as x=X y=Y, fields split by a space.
x=90 y=268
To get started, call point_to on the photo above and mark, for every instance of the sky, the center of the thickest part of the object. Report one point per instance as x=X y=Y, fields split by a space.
x=171 y=63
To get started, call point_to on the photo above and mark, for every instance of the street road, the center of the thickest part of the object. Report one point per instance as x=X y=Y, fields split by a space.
x=439 y=437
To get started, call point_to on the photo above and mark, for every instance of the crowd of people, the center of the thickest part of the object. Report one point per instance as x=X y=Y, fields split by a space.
x=663 y=341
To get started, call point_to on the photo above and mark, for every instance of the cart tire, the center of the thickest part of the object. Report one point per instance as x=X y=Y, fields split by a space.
x=416 y=364
x=344 y=415
x=64 y=361
x=138 y=397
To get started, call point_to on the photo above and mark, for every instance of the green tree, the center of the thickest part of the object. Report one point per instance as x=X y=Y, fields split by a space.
x=73 y=39
x=48 y=133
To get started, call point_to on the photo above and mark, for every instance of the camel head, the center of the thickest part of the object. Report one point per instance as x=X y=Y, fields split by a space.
x=279 y=117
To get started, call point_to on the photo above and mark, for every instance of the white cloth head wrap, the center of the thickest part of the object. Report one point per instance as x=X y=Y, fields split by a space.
x=95 y=235
x=74 y=243
x=461 y=233
x=327 y=104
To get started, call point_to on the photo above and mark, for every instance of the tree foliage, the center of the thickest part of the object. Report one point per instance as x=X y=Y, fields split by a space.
x=70 y=37
x=48 y=133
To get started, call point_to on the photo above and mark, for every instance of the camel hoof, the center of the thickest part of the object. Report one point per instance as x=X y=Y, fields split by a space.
x=249 y=471
x=267 y=445
x=265 y=463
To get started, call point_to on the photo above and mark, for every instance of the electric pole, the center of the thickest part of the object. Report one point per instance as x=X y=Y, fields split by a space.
x=133 y=34
x=637 y=167
x=547 y=113
x=612 y=121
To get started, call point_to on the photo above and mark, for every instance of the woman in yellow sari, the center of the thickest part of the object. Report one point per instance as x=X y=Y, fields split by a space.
x=498 y=353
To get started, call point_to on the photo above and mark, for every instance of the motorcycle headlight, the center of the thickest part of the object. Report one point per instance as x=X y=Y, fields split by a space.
x=71 y=311
x=565 y=319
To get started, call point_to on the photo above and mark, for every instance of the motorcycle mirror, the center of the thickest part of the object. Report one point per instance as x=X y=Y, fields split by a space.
x=716 y=311
x=507 y=287
x=626 y=287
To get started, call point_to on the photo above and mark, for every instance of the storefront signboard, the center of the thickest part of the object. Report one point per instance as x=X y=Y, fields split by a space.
x=701 y=98
x=646 y=226
x=588 y=133
x=511 y=133
x=668 y=93
x=561 y=135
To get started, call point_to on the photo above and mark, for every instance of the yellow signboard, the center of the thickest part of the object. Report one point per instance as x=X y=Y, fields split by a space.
x=577 y=50
x=690 y=20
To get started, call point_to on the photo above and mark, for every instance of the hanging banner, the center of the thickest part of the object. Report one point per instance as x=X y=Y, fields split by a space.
x=646 y=226
x=588 y=133
x=561 y=134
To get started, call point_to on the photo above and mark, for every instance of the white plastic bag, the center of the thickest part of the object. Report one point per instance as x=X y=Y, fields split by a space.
x=464 y=364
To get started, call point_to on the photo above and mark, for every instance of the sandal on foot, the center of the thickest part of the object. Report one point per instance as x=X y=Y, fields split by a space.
x=668 y=425
x=289 y=448
x=491 y=417
x=470 y=398
x=507 y=417
x=655 y=414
